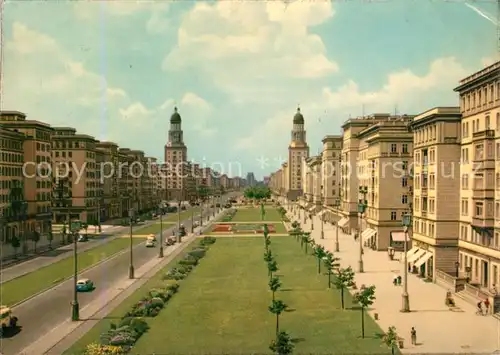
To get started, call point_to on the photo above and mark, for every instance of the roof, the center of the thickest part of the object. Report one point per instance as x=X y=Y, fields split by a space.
x=298 y=118
x=176 y=117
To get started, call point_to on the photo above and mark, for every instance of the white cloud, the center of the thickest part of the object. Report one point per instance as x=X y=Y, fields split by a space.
x=408 y=91
x=244 y=46
x=41 y=79
x=158 y=11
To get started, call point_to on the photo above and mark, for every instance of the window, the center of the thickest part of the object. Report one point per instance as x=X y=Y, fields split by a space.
x=487 y=122
x=404 y=199
x=405 y=148
x=465 y=181
x=478 y=209
x=404 y=181
x=394 y=216
x=464 y=207
x=394 y=148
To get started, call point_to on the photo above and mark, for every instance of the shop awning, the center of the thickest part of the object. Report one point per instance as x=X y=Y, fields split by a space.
x=398 y=236
x=409 y=254
x=416 y=256
x=423 y=259
x=367 y=234
x=312 y=209
x=343 y=222
x=321 y=213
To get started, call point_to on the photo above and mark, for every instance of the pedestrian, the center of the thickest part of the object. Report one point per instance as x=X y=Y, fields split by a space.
x=486 y=305
x=395 y=281
x=413 y=336
x=399 y=280
x=480 y=308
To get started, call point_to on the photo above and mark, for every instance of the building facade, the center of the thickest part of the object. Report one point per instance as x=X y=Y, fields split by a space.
x=298 y=151
x=436 y=203
x=479 y=242
x=330 y=169
x=176 y=159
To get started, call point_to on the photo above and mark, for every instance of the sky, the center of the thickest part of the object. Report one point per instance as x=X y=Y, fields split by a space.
x=237 y=70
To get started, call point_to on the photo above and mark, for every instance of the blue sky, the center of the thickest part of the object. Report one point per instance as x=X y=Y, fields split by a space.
x=237 y=70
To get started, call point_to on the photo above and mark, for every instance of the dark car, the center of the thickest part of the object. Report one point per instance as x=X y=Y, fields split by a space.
x=217 y=205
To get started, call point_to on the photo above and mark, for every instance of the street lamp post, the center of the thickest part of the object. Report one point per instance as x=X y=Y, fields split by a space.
x=405 y=296
x=312 y=222
x=337 y=247
x=131 y=261
x=361 y=210
x=161 y=233
x=457 y=268
x=192 y=218
x=75 y=306
x=322 y=213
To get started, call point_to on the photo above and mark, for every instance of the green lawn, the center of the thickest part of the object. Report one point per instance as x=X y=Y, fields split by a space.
x=222 y=307
x=172 y=217
x=252 y=214
x=153 y=228
x=25 y=286
x=93 y=335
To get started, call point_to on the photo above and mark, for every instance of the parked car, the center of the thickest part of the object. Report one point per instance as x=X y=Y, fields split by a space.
x=152 y=236
x=170 y=241
x=228 y=205
x=84 y=285
x=83 y=238
x=196 y=224
x=7 y=319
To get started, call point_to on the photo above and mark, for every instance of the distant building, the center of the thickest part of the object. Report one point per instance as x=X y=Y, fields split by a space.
x=251 y=179
x=266 y=180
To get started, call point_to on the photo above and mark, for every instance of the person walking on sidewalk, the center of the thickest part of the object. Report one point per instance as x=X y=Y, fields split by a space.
x=413 y=333
x=486 y=305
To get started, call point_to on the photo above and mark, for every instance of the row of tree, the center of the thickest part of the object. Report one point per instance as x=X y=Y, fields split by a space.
x=257 y=193
x=342 y=279
x=282 y=344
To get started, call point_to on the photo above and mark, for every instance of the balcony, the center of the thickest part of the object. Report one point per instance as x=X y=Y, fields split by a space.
x=423 y=191
x=423 y=213
x=485 y=134
x=483 y=223
x=479 y=193
x=483 y=164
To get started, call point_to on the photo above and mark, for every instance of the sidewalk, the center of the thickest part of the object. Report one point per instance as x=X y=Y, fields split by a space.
x=439 y=330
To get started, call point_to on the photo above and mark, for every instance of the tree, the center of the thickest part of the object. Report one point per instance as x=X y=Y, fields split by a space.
x=274 y=285
x=268 y=256
x=306 y=240
x=365 y=297
x=268 y=242
x=277 y=307
x=85 y=226
x=391 y=339
x=36 y=238
x=283 y=344
x=319 y=252
x=50 y=238
x=272 y=266
x=331 y=263
x=15 y=243
x=295 y=225
x=343 y=280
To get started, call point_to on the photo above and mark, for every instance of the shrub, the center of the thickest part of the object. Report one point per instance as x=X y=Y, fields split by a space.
x=98 y=349
x=188 y=262
x=172 y=286
x=207 y=240
x=197 y=253
x=157 y=302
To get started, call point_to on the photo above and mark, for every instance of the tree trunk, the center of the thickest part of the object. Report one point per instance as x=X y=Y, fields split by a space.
x=392 y=350
x=362 y=322
x=34 y=246
x=306 y=247
x=273 y=295
x=277 y=325
x=329 y=279
x=342 y=297
x=319 y=266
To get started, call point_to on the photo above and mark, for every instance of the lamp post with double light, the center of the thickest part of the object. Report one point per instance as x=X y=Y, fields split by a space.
x=131 y=270
x=336 y=205
x=407 y=221
x=363 y=190
x=160 y=211
x=457 y=269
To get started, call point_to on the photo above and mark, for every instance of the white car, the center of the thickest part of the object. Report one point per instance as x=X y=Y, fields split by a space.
x=150 y=243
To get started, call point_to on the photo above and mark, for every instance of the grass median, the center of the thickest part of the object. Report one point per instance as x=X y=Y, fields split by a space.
x=16 y=290
x=93 y=335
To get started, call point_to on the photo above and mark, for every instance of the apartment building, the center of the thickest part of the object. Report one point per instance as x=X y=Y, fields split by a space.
x=437 y=182
x=176 y=158
x=125 y=183
x=479 y=238
x=285 y=178
x=37 y=180
x=11 y=182
x=74 y=155
x=109 y=164
x=312 y=184
x=225 y=182
x=298 y=151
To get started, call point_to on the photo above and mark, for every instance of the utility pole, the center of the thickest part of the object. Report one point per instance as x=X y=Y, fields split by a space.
x=363 y=190
x=337 y=206
x=161 y=232
x=131 y=270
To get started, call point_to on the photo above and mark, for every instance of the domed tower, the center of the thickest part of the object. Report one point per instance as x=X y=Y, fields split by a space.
x=298 y=151
x=175 y=158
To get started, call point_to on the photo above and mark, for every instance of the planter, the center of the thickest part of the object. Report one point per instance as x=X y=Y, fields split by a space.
x=375 y=316
x=401 y=343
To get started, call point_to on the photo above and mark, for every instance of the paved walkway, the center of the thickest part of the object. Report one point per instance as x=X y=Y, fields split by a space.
x=439 y=330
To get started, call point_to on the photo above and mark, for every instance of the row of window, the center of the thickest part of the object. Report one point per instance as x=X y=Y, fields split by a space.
x=480 y=97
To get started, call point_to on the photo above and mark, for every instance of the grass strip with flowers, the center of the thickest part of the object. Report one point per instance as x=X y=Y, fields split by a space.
x=119 y=337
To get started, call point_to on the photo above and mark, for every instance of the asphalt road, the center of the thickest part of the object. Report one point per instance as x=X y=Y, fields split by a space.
x=44 y=312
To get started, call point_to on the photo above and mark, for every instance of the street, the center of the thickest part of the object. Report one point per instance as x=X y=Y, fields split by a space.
x=44 y=312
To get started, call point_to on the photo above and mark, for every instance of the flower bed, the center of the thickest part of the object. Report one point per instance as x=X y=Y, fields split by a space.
x=121 y=336
x=242 y=228
x=228 y=216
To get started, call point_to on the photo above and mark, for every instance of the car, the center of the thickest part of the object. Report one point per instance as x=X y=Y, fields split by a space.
x=150 y=243
x=84 y=285
x=217 y=205
x=196 y=224
x=170 y=241
x=152 y=237
x=83 y=238
x=7 y=319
